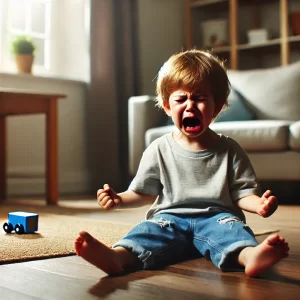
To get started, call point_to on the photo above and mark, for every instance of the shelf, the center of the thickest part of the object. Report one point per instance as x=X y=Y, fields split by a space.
x=294 y=38
x=268 y=43
x=221 y=49
x=260 y=45
x=200 y=3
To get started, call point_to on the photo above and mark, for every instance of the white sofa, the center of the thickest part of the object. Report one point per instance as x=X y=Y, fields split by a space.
x=272 y=139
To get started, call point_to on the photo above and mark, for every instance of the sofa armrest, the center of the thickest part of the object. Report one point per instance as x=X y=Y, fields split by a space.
x=142 y=115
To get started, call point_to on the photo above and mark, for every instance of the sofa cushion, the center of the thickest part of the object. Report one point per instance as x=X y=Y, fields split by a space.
x=237 y=109
x=295 y=136
x=256 y=135
x=273 y=93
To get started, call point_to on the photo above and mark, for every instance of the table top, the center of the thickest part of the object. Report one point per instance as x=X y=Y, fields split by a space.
x=14 y=91
x=25 y=101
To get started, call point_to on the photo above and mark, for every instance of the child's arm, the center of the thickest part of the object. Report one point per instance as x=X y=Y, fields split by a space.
x=109 y=199
x=264 y=205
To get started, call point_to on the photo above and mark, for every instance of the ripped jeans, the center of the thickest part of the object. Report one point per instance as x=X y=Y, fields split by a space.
x=167 y=237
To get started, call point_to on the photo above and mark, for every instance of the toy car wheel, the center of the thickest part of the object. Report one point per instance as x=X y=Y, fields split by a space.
x=7 y=227
x=19 y=229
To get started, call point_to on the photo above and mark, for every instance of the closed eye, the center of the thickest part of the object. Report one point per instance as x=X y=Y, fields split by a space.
x=200 y=98
x=197 y=98
x=180 y=100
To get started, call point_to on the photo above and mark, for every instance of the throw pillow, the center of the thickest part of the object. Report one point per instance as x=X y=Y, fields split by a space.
x=237 y=109
x=274 y=93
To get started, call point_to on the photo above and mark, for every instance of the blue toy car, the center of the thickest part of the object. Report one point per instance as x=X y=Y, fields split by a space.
x=21 y=222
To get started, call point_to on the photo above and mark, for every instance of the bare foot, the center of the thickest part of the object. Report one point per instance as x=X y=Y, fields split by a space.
x=262 y=257
x=111 y=261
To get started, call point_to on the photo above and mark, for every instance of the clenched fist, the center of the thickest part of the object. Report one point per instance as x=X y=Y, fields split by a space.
x=108 y=198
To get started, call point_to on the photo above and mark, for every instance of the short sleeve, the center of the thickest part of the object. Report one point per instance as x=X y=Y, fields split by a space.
x=147 y=178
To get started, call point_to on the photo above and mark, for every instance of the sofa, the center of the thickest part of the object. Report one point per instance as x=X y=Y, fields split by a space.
x=263 y=116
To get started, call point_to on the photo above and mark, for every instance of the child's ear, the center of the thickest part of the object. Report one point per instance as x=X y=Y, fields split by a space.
x=167 y=109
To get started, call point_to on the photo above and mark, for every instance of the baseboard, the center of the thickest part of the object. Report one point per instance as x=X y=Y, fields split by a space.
x=69 y=183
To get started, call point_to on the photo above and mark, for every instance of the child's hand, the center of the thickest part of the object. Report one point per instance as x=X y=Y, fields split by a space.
x=269 y=204
x=108 y=198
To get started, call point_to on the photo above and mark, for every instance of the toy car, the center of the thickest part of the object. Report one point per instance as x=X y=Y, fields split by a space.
x=21 y=222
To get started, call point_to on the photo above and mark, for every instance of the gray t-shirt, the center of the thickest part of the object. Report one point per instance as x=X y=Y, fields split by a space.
x=193 y=182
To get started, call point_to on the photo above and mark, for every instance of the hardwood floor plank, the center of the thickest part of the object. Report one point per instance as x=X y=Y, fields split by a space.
x=66 y=278
x=72 y=266
x=42 y=284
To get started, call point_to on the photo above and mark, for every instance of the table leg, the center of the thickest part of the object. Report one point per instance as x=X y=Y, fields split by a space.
x=2 y=158
x=52 y=153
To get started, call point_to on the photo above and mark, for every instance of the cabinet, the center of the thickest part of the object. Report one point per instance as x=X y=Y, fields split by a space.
x=281 y=47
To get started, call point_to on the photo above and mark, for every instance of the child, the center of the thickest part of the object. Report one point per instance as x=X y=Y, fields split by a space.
x=199 y=183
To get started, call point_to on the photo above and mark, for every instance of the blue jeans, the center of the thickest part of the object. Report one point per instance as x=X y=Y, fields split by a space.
x=166 y=238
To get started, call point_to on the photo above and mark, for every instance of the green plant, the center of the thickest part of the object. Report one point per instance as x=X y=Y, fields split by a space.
x=22 y=44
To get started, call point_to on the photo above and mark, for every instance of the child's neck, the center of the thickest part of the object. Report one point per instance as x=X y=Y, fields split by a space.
x=205 y=141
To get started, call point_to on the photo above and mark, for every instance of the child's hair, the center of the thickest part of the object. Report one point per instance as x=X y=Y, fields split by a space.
x=187 y=70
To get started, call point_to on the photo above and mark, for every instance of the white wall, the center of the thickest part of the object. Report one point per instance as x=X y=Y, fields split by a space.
x=26 y=138
x=160 y=34
x=70 y=39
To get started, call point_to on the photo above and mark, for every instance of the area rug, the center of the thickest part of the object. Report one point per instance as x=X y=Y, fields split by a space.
x=55 y=237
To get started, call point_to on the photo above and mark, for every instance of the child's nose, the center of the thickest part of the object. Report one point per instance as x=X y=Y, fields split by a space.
x=190 y=104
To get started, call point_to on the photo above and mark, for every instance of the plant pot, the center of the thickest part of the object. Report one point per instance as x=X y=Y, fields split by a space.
x=295 y=22
x=24 y=63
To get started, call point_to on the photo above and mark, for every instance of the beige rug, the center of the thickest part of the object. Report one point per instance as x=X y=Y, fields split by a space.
x=55 y=236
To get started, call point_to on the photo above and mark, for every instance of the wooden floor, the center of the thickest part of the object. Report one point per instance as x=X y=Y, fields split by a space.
x=72 y=278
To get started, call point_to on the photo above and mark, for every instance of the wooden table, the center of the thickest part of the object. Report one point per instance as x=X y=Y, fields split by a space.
x=25 y=102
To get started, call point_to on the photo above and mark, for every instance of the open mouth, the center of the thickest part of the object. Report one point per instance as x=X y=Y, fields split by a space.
x=191 y=124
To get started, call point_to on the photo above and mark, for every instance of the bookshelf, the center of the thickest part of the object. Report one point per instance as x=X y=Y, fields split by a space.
x=281 y=48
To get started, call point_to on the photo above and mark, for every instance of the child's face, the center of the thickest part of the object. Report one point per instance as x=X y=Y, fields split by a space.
x=191 y=111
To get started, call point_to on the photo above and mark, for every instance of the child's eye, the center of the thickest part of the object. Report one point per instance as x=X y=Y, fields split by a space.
x=199 y=98
x=180 y=100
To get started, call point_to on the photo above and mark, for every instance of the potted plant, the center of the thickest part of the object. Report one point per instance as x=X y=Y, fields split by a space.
x=23 y=47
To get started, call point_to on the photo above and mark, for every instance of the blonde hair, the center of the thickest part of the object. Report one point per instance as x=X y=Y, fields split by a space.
x=187 y=70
